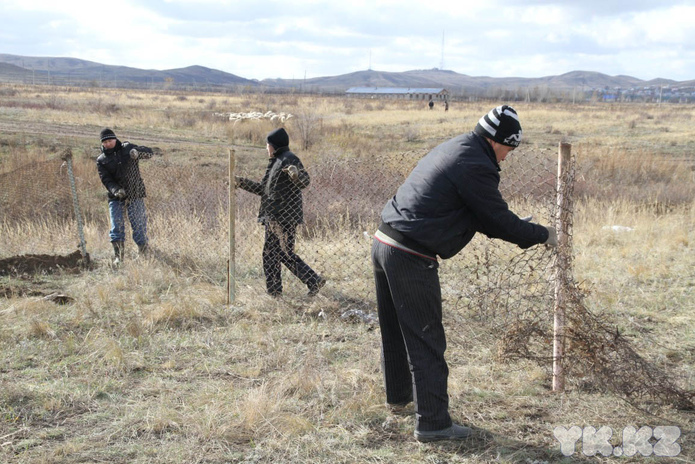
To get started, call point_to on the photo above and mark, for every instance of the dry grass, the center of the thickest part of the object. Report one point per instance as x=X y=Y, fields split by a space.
x=149 y=365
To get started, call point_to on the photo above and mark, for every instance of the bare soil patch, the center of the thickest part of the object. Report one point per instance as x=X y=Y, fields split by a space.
x=43 y=264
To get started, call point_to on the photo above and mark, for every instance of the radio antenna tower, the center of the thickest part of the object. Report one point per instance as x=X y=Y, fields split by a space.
x=441 y=64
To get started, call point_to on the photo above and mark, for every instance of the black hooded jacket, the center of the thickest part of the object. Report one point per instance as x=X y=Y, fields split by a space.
x=453 y=193
x=281 y=198
x=117 y=170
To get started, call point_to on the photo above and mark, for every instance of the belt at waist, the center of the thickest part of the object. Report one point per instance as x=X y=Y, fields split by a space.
x=405 y=243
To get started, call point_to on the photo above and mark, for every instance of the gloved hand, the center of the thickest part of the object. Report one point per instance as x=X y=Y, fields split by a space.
x=120 y=194
x=552 y=236
x=134 y=154
x=292 y=171
x=526 y=218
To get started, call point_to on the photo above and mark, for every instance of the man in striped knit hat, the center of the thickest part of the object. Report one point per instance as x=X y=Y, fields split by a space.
x=451 y=194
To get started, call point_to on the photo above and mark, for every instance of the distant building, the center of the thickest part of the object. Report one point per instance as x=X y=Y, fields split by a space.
x=436 y=94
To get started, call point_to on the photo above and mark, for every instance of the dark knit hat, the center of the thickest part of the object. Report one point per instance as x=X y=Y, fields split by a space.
x=502 y=125
x=279 y=138
x=107 y=134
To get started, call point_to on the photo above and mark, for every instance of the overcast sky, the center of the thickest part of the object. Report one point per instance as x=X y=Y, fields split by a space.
x=260 y=39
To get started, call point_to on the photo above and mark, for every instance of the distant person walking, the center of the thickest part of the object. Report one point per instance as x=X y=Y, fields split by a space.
x=446 y=105
x=119 y=171
x=430 y=104
x=280 y=212
x=452 y=194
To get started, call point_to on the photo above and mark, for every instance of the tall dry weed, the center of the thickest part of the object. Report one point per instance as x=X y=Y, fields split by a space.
x=250 y=131
x=639 y=176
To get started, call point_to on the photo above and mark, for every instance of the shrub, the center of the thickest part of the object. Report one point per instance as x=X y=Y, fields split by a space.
x=308 y=127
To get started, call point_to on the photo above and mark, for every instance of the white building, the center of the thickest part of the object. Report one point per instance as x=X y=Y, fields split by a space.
x=435 y=94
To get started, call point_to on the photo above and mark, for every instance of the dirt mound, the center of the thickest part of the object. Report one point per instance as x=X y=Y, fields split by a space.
x=43 y=264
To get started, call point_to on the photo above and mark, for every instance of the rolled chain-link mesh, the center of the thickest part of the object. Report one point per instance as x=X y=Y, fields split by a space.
x=501 y=282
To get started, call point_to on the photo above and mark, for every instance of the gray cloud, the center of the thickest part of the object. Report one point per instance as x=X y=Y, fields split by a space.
x=600 y=8
x=274 y=39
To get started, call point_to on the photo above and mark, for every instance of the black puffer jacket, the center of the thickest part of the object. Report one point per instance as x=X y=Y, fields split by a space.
x=453 y=193
x=117 y=170
x=281 y=198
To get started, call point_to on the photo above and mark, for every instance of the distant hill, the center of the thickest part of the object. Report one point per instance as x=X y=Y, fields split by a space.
x=73 y=71
x=462 y=83
x=431 y=78
x=7 y=69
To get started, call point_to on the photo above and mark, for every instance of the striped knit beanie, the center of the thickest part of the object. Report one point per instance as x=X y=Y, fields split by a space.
x=106 y=134
x=502 y=125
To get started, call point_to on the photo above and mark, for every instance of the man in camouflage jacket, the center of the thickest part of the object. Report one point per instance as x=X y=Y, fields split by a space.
x=280 y=212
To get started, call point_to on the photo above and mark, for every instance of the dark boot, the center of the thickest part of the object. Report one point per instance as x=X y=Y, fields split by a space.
x=316 y=285
x=143 y=249
x=454 y=432
x=118 y=249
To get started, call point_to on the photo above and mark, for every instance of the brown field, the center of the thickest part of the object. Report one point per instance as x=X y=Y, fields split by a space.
x=147 y=364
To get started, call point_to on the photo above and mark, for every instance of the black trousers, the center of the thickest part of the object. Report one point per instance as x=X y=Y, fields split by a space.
x=409 y=302
x=278 y=249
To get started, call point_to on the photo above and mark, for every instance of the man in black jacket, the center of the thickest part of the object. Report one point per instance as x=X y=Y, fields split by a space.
x=280 y=212
x=119 y=170
x=451 y=194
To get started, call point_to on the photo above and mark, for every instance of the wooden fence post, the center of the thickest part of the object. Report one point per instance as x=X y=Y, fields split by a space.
x=67 y=157
x=562 y=262
x=231 y=264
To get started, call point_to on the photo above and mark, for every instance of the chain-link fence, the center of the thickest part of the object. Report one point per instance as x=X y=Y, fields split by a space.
x=182 y=215
x=38 y=215
x=338 y=212
x=528 y=297
x=187 y=215
x=328 y=236
x=341 y=210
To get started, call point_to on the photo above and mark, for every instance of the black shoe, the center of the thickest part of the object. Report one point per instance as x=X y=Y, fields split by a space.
x=315 y=287
x=455 y=432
